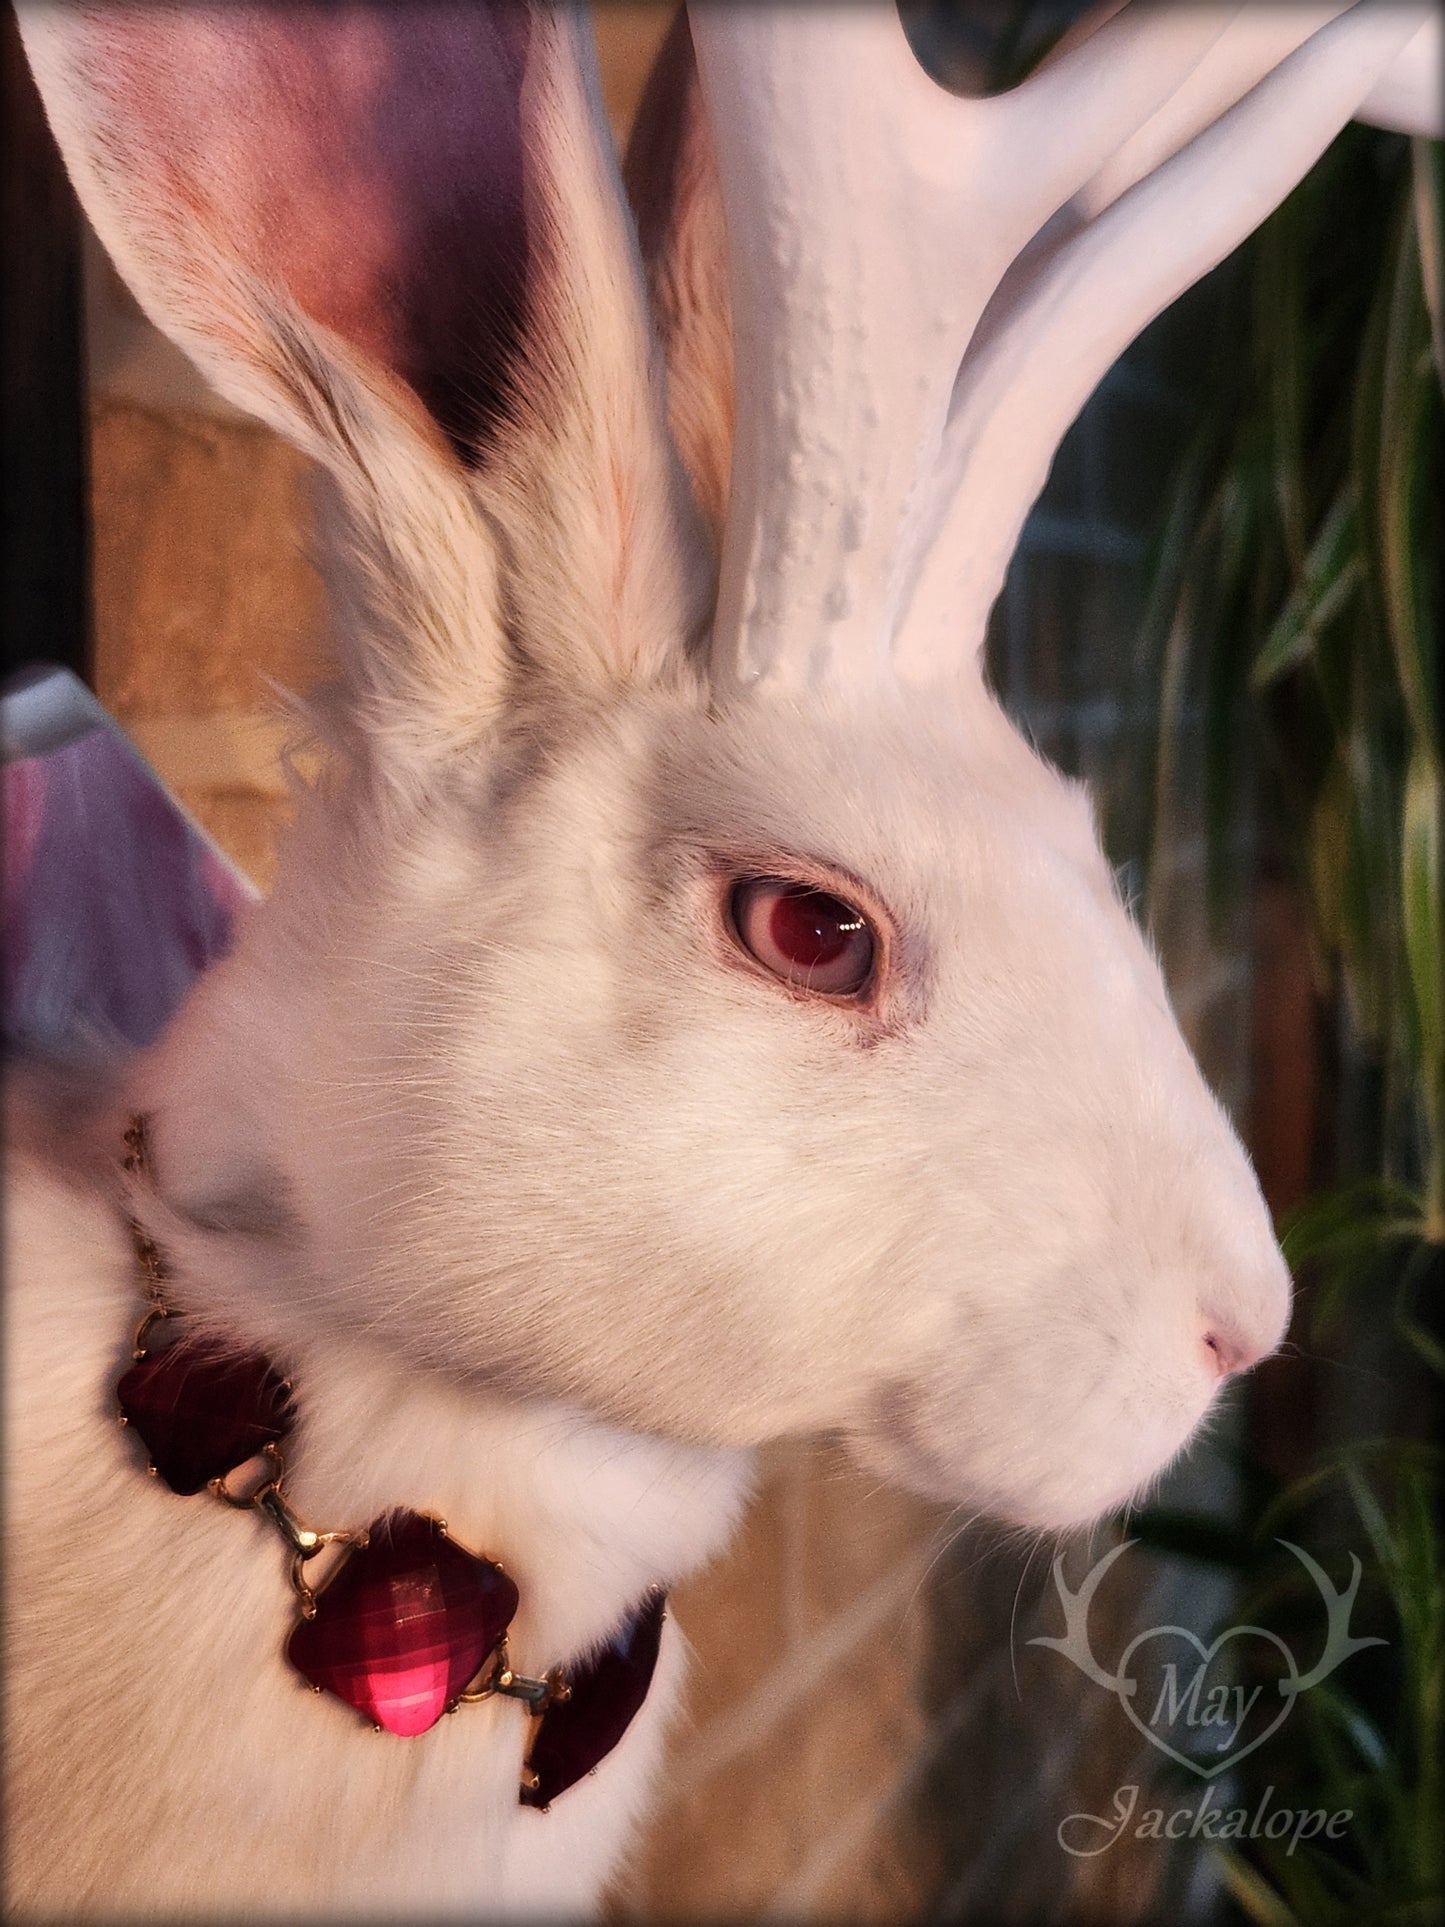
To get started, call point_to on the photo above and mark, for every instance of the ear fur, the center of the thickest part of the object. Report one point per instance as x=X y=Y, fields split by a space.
x=396 y=234
x=671 y=178
x=585 y=478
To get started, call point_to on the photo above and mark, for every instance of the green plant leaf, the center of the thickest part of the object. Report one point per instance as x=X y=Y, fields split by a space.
x=1410 y=402
x=1428 y=1266
x=1334 y=1220
x=1332 y=572
x=1427 y=169
x=1253 y=1892
x=1310 y=586
x=1422 y=862
x=1360 y=1730
x=1357 y=1281
x=1394 y=1455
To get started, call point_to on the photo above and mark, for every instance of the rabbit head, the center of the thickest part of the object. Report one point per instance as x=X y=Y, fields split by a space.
x=729 y=1056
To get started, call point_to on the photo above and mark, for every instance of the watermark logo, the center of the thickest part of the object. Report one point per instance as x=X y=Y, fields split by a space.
x=1087 y=1835
x=1195 y=1701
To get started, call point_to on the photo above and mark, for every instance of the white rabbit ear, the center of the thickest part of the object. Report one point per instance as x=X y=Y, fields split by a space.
x=672 y=182
x=351 y=172
x=612 y=579
x=396 y=234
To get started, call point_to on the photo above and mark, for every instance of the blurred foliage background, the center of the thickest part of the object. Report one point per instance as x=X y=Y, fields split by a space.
x=1297 y=579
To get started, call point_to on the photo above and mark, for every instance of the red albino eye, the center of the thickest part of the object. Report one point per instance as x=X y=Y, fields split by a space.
x=806 y=937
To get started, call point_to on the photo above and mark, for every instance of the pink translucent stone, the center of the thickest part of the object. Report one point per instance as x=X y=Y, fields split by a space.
x=405 y=1625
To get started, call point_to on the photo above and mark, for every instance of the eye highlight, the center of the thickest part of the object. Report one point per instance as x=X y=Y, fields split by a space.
x=804 y=936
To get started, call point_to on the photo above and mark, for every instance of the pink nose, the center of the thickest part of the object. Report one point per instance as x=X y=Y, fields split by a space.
x=1228 y=1351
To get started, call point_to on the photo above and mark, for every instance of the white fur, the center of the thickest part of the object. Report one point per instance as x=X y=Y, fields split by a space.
x=164 y=1760
x=552 y=1205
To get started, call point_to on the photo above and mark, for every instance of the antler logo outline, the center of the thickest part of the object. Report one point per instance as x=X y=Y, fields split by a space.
x=1075 y=1645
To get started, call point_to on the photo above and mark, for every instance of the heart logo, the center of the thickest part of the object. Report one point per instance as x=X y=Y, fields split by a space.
x=1189 y=1687
x=1185 y=1692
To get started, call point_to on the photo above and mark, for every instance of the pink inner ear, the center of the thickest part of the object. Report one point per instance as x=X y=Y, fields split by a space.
x=367 y=158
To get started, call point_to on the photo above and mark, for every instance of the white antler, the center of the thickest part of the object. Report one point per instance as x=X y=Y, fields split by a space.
x=1409 y=97
x=926 y=289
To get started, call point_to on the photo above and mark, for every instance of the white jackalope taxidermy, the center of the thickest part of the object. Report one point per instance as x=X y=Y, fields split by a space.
x=688 y=1014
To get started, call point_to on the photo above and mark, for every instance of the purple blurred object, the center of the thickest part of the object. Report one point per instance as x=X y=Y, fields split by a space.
x=115 y=899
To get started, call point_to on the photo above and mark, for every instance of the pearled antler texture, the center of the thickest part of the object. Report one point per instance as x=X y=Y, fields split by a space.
x=927 y=288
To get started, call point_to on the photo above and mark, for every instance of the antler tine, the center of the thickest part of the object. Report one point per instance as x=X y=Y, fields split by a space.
x=1253 y=44
x=1409 y=97
x=871 y=216
x=1061 y=318
x=1074 y=1643
x=1340 y=1642
x=1410 y=94
x=925 y=289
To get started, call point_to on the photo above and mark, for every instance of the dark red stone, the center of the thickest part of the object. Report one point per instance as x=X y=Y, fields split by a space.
x=607 y=1691
x=202 y=1408
x=405 y=1625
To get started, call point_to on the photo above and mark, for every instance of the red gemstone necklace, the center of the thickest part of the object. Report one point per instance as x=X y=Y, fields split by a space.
x=406 y=1624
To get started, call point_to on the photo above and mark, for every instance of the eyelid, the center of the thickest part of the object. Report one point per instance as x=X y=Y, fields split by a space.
x=752 y=893
x=896 y=994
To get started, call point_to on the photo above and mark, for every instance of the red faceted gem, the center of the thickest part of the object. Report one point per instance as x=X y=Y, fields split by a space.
x=405 y=1625
x=577 y=1732
x=202 y=1408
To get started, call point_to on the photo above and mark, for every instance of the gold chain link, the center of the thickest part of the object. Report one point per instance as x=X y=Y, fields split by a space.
x=148 y=1257
x=268 y=1497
